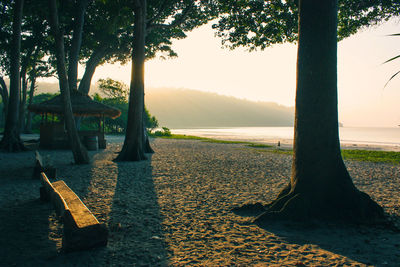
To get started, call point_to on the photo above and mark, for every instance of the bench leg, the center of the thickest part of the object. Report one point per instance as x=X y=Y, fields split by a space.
x=43 y=194
x=75 y=238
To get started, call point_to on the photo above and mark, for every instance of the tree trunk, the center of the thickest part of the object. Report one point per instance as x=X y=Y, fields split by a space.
x=11 y=141
x=4 y=96
x=91 y=65
x=147 y=146
x=24 y=83
x=78 y=150
x=320 y=186
x=76 y=45
x=28 y=126
x=134 y=147
x=23 y=104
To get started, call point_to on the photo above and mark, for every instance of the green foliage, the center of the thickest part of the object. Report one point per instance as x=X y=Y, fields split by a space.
x=259 y=24
x=165 y=132
x=115 y=94
x=151 y=122
x=112 y=88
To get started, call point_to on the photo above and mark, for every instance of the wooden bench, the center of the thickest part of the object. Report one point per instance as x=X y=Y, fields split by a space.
x=81 y=228
x=40 y=167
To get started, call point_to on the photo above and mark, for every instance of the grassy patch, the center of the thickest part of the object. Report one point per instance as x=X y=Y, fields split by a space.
x=256 y=145
x=372 y=156
x=210 y=140
x=276 y=151
x=182 y=136
x=359 y=155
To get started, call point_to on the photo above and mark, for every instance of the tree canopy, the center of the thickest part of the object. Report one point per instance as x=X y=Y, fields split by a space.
x=259 y=24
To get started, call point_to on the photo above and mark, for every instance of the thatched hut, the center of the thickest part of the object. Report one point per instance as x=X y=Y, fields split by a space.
x=53 y=134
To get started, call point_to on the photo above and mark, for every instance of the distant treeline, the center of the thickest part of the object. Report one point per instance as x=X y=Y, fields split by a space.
x=183 y=108
x=117 y=125
x=177 y=108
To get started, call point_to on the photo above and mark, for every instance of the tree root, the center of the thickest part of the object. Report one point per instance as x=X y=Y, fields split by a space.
x=354 y=207
x=12 y=144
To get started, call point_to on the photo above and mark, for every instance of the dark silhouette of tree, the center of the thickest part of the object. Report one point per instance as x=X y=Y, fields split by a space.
x=320 y=186
x=34 y=46
x=78 y=150
x=133 y=148
x=152 y=21
x=11 y=140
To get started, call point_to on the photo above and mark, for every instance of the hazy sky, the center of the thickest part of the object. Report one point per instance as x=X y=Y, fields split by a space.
x=270 y=75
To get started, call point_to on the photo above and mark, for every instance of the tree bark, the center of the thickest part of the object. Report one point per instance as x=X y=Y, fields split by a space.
x=79 y=151
x=24 y=88
x=4 y=96
x=76 y=45
x=28 y=126
x=320 y=186
x=11 y=141
x=91 y=65
x=134 y=146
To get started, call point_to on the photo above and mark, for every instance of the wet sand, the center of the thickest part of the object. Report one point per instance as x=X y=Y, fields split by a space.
x=175 y=209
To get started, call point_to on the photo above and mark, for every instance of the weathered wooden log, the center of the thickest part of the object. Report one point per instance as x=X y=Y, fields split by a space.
x=40 y=167
x=81 y=228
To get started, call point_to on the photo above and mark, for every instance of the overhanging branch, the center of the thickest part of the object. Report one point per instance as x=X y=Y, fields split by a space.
x=176 y=22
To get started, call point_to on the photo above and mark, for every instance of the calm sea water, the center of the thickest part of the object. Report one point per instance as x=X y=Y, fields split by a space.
x=348 y=135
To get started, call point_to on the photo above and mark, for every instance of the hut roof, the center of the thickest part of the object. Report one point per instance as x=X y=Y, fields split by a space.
x=82 y=105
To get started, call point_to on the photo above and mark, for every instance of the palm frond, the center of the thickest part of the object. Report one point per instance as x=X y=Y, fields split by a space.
x=393 y=58
x=394 y=75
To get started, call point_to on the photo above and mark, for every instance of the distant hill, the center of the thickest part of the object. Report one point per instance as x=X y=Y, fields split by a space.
x=183 y=108
x=176 y=108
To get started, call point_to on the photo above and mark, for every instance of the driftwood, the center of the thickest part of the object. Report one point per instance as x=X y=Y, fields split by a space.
x=81 y=228
x=40 y=167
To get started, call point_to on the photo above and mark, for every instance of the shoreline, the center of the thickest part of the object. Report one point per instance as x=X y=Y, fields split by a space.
x=284 y=143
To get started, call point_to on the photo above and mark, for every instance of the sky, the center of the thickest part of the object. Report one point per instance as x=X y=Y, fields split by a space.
x=270 y=75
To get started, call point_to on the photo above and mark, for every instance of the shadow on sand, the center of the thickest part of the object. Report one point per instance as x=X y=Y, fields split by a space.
x=135 y=223
x=356 y=242
x=25 y=236
x=121 y=195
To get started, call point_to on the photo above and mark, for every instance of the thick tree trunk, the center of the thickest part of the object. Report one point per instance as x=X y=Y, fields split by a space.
x=28 y=126
x=11 y=141
x=78 y=150
x=320 y=186
x=134 y=146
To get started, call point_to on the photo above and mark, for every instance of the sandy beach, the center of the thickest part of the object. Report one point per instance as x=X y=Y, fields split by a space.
x=175 y=210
